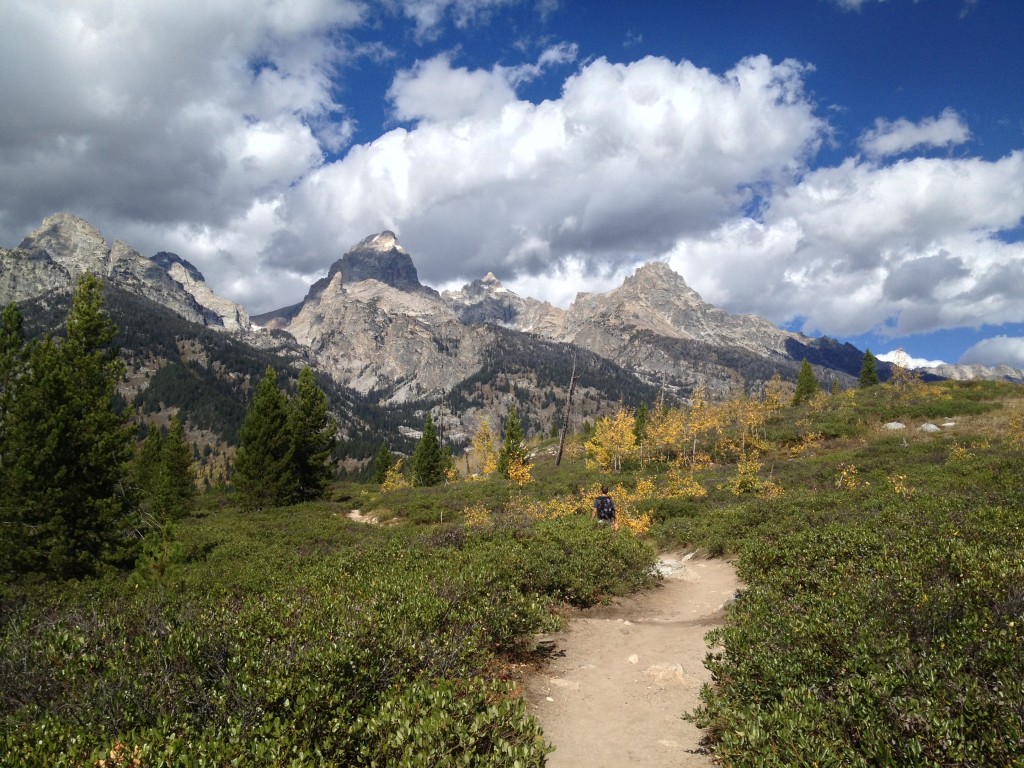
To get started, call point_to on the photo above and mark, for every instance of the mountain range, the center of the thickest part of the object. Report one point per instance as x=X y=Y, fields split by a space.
x=391 y=348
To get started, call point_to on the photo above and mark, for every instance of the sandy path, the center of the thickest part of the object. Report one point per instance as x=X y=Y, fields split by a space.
x=623 y=674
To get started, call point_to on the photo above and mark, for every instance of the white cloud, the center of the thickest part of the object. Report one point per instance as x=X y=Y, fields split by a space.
x=998 y=350
x=429 y=14
x=895 y=138
x=906 y=248
x=162 y=112
x=630 y=158
x=435 y=91
x=901 y=358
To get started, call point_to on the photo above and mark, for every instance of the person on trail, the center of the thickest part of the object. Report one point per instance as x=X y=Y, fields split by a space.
x=604 y=509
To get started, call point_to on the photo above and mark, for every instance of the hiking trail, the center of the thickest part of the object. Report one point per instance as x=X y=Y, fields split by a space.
x=621 y=675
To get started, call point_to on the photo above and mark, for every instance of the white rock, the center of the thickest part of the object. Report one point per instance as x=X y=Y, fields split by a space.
x=894 y=425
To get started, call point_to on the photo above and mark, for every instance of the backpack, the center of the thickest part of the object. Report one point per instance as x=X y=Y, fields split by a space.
x=605 y=507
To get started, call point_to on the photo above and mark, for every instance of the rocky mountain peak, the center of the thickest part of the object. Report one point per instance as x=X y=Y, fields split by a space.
x=383 y=241
x=377 y=257
x=71 y=242
x=166 y=261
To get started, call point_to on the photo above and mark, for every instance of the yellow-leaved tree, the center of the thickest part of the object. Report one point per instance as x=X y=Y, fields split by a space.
x=614 y=441
x=666 y=432
x=485 y=449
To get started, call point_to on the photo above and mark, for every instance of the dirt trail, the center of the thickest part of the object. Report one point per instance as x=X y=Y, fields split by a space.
x=623 y=674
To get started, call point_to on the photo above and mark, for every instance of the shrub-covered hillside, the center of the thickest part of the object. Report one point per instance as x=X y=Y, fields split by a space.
x=880 y=625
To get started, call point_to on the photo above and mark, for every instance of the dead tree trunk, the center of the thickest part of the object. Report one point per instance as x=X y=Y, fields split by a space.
x=568 y=411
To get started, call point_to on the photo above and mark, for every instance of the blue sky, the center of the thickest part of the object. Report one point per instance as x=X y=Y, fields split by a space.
x=852 y=168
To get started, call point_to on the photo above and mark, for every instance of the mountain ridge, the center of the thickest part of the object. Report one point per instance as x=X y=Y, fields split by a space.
x=375 y=330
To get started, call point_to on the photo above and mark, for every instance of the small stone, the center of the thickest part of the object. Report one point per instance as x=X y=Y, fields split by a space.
x=894 y=425
x=633 y=659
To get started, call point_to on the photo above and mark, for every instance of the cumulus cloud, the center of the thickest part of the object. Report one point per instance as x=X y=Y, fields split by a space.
x=900 y=249
x=895 y=138
x=630 y=158
x=901 y=358
x=163 y=112
x=998 y=350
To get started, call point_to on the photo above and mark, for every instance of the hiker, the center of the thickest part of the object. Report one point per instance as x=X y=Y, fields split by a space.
x=604 y=509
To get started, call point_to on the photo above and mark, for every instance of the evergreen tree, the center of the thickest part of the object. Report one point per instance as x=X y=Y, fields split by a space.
x=806 y=384
x=66 y=448
x=428 y=461
x=640 y=423
x=145 y=470
x=13 y=354
x=868 y=371
x=513 y=447
x=12 y=368
x=382 y=464
x=175 y=489
x=263 y=464
x=313 y=432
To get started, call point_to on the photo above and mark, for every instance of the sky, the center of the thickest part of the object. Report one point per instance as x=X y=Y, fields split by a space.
x=850 y=168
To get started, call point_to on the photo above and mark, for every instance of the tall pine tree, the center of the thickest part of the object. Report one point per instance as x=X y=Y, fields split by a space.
x=175 y=489
x=66 y=448
x=868 y=371
x=263 y=473
x=806 y=384
x=382 y=464
x=313 y=432
x=428 y=461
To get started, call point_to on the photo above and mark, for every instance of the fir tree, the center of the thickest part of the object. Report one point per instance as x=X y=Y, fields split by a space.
x=513 y=448
x=382 y=464
x=66 y=448
x=806 y=384
x=640 y=423
x=13 y=354
x=263 y=464
x=313 y=432
x=145 y=469
x=428 y=461
x=868 y=371
x=175 y=490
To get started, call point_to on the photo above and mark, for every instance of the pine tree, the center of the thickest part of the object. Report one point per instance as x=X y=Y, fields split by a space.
x=263 y=464
x=806 y=384
x=382 y=464
x=868 y=371
x=313 y=432
x=641 y=418
x=145 y=470
x=13 y=354
x=175 y=490
x=513 y=448
x=428 y=461
x=66 y=448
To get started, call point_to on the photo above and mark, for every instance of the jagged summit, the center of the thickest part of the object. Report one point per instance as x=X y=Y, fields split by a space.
x=71 y=242
x=66 y=246
x=382 y=241
x=165 y=260
x=377 y=257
